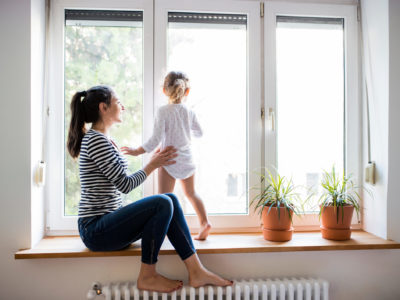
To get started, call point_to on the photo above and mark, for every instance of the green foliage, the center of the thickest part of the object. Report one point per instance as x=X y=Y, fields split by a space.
x=278 y=192
x=111 y=56
x=338 y=191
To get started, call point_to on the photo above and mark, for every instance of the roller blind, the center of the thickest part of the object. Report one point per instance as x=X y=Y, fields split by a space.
x=309 y=20
x=209 y=18
x=73 y=15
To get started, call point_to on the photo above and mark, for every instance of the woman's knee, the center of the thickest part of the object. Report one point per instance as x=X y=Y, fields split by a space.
x=174 y=200
x=172 y=197
x=165 y=203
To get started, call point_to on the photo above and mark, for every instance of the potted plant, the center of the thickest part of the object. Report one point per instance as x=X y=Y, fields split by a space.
x=276 y=204
x=338 y=201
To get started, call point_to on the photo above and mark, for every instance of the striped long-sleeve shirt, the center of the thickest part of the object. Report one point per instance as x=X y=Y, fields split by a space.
x=103 y=175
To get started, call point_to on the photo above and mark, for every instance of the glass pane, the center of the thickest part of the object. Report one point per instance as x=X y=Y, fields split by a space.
x=110 y=55
x=214 y=57
x=310 y=101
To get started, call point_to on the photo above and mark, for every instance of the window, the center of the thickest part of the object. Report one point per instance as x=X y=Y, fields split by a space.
x=95 y=44
x=104 y=47
x=309 y=114
x=132 y=44
x=219 y=97
x=217 y=44
x=311 y=93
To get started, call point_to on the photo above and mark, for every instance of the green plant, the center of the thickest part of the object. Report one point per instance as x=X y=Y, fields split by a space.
x=278 y=191
x=338 y=191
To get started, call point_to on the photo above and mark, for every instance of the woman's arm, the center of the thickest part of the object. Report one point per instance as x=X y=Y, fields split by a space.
x=106 y=158
x=161 y=158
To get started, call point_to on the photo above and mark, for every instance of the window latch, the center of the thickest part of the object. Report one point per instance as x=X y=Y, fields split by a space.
x=271 y=119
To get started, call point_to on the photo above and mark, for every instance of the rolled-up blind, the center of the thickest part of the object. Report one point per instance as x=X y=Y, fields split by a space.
x=310 y=20
x=210 y=18
x=103 y=15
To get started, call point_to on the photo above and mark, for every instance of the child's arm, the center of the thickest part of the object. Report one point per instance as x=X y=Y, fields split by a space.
x=196 y=128
x=158 y=132
x=132 y=151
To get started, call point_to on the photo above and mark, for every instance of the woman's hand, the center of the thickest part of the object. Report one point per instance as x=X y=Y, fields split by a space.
x=161 y=158
x=132 y=151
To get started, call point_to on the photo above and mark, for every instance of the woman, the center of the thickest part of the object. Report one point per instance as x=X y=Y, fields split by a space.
x=104 y=225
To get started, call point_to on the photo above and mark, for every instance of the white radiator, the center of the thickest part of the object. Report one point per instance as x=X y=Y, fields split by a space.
x=259 y=289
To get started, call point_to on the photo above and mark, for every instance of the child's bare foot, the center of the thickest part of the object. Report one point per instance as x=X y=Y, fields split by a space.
x=158 y=283
x=205 y=277
x=204 y=231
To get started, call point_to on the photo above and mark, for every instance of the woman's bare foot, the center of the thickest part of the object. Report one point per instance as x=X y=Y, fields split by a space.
x=150 y=280
x=158 y=283
x=204 y=231
x=205 y=277
x=200 y=276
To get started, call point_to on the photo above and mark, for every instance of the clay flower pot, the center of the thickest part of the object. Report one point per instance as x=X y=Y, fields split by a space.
x=277 y=229
x=334 y=228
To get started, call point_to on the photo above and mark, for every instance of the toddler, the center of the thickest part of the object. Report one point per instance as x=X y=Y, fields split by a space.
x=173 y=126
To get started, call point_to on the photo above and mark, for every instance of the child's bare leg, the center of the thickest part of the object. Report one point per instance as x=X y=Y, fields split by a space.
x=150 y=280
x=166 y=183
x=200 y=276
x=198 y=205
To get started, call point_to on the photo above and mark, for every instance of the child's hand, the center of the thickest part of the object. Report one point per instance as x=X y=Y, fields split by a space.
x=131 y=151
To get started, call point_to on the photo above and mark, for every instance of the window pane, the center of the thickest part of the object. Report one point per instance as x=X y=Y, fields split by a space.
x=310 y=99
x=110 y=53
x=214 y=56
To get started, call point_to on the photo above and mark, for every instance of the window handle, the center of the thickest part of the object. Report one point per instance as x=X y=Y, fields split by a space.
x=271 y=119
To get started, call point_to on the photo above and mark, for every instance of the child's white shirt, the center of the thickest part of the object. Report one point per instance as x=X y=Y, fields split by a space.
x=173 y=126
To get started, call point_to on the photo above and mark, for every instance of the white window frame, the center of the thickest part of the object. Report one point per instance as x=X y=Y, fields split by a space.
x=352 y=101
x=155 y=22
x=57 y=223
x=224 y=223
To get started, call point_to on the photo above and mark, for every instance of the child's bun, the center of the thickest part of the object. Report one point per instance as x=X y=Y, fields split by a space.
x=175 y=86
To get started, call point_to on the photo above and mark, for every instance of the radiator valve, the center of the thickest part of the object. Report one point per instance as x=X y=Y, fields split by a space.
x=95 y=291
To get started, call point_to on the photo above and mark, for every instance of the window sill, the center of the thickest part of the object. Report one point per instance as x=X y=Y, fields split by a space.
x=72 y=246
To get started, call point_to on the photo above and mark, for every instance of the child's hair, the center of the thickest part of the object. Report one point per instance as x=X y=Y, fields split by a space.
x=83 y=111
x=175 y=85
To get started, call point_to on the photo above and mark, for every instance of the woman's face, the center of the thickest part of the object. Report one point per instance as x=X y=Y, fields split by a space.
x=115 y=110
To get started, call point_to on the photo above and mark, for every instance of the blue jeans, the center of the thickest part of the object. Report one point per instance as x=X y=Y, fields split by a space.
x=149 y=219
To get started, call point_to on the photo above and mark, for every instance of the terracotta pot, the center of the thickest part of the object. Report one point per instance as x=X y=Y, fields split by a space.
x=277 y=229
x=334 y=228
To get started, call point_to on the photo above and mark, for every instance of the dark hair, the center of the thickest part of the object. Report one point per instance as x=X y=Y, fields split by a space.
x=176 y=85
x=83 y=111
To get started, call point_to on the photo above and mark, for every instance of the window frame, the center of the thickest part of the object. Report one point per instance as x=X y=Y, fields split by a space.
x=56 y=222
x=221 y=223
x=352 y=110
x=261 y=89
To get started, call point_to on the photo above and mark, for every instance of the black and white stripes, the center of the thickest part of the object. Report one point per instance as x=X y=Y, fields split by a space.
x=103 y=176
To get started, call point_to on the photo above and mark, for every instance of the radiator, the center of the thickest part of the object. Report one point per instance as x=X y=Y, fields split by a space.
x=259 y=289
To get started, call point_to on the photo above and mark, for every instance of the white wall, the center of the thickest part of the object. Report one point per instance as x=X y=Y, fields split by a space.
x=15 y=118
x=375 y=22
x=394 y=121
x=353 y=274
x=358 y=275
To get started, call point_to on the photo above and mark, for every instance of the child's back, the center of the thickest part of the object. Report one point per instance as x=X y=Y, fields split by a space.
x=173 y=126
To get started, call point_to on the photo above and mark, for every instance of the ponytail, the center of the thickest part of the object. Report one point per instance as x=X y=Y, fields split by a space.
x=77 y=125
x=83 y=111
